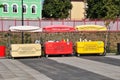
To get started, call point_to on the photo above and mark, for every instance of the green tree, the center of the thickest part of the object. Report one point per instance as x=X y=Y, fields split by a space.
x=56 y=9
x=105 y=9
x=109 y=10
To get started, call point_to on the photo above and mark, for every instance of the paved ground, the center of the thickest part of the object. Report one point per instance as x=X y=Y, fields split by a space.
x=61 y=68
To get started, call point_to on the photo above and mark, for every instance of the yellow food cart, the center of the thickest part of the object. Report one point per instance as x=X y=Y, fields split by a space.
x=90 y=47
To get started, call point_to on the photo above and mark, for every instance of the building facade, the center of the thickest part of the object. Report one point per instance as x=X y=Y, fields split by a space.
x=32 y=9
x=78 y=10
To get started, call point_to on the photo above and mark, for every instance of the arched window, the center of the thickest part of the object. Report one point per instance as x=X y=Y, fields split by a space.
x=5 y=8
x=33 y=9
x=15 y=8
x=24 y=8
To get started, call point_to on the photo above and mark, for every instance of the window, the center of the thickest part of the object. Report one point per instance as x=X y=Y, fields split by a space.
x=15 y=8
x=33 y=9
x=5 y=8
x=24 y=8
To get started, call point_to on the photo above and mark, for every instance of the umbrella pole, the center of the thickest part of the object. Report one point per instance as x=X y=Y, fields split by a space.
x=22 y=37
x=22 y=22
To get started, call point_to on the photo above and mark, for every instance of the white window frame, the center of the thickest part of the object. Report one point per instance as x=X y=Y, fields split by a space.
x=35 y=9
x=26 y=8
x=7 y=8
x=16 y=8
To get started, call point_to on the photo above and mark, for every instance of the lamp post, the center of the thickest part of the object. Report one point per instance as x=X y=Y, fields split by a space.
x=22 y=34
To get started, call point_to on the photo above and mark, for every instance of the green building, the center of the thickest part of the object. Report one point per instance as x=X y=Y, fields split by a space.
x=32 y=9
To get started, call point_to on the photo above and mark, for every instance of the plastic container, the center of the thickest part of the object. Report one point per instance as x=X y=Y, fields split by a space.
x=25 y=50
x=92 y=47
x=118 y=48
x=2 y=51
x=58 y=48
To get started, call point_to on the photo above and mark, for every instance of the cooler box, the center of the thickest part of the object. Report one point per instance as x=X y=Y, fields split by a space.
x=25 y=50
x=2 y=51
x=60 y=47
x=92 y=47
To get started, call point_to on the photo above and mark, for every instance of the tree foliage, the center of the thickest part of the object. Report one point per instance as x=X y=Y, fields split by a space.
x=56 y=9
x=107 y=9
x=1 y=5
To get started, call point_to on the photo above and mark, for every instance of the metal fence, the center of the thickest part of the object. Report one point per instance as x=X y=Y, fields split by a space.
x=6 y=23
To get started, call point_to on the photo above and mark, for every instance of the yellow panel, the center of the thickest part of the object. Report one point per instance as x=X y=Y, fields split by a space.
x=25 y=50
x=90 y=47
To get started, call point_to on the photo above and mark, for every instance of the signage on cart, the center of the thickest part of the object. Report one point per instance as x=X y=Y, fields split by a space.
x=25 y=50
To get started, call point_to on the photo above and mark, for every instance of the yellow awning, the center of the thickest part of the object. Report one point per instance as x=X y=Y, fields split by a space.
x=90 y=28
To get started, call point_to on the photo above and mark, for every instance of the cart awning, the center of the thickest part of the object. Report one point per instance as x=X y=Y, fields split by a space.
x=58 y=28
x=25 y=29
x=90 y=28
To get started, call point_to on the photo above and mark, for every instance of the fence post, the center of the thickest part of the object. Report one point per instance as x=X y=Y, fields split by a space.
x=95 y=21
x=51 y=21
x=15 y=22
x=84 y=22
x=117 y=25
x=2 y=24
x=28 y=22
x=62 y=22
x=39 y=23
x=74 y=23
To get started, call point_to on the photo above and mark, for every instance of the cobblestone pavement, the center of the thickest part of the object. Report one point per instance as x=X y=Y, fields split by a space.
x=61 y=68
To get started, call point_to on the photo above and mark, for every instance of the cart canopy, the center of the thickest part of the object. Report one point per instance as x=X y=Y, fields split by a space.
x=25 y=29
x=90 y=28
x=58 y=28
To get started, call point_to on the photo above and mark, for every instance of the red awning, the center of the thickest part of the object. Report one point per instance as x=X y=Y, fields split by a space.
x=58 y=28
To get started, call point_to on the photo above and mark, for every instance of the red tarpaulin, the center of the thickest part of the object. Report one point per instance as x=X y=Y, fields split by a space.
x=58 y=28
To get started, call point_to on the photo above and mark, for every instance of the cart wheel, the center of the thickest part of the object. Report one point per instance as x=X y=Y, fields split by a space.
x=63 y=55
x=104 y=54
x=9 y=57
x=72 y=54
x=78 y=55
x=12 y=58
x=39 y=56
x=46 y=56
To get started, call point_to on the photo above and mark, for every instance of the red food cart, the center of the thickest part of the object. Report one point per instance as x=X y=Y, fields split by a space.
x=58 y=48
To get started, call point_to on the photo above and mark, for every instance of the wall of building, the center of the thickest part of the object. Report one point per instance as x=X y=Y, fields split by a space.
x=28 y=15
x=78 y=10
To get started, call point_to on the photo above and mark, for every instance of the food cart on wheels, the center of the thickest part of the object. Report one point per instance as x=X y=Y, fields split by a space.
x=58 y=48
x=25 y=50
x=90 y=47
